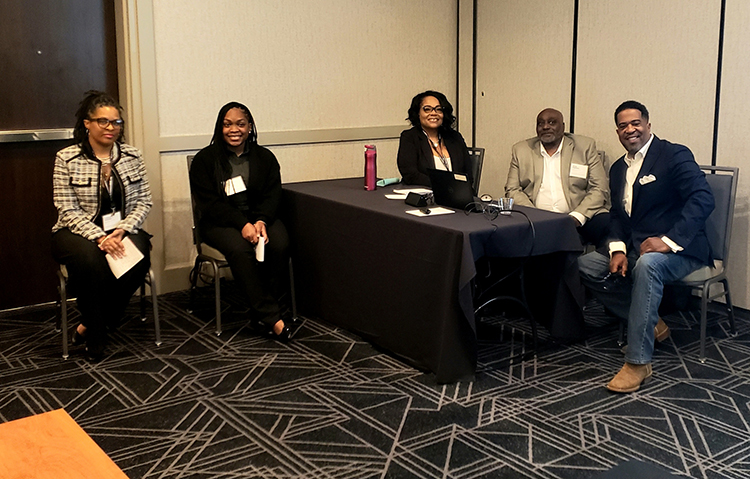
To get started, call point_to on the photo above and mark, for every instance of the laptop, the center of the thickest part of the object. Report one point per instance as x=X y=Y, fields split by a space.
x=451 y=189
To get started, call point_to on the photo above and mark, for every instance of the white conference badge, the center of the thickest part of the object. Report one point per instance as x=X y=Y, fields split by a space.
x=234 y=186
x=109 y=222
x=579 y=171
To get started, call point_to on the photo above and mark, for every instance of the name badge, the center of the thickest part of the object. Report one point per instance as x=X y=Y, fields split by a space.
x=234 y=186
x=579 y=171
x=459 y=177
x=109 y=222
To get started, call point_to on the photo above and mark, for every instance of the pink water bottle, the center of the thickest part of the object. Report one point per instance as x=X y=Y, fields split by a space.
x=371 y=167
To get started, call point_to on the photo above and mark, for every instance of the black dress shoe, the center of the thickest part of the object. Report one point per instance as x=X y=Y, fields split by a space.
x=78 y=339
x=284 y=336
x=95 y=351
x=94 y=356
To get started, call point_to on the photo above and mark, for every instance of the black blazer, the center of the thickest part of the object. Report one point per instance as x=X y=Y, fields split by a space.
x=674 y=200
x=415 y=155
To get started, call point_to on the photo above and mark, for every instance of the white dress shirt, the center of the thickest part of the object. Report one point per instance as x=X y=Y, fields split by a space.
x=551 y=196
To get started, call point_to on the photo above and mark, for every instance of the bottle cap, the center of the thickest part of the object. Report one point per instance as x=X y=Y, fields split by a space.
x=370 y=147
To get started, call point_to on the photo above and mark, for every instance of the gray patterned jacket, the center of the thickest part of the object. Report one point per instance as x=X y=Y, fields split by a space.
x=76 y=183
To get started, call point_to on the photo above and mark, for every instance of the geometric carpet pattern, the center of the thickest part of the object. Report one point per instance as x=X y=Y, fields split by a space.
x=330 y=405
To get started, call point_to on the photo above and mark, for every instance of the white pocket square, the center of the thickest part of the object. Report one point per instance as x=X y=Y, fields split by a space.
x=644 y=180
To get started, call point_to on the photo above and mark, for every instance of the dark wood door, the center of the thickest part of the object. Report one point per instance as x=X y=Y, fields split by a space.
x=51 y=52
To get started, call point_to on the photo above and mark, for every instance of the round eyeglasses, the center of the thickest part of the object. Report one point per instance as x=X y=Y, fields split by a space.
x=105 y=122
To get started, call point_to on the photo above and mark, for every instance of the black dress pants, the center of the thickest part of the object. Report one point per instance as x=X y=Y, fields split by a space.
x=261 y=283
x=596 y=230
x=102 y=298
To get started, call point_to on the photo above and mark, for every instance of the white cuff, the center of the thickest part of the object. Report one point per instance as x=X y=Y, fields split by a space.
x=672 y=245
x=581 y=219
x=615 y=246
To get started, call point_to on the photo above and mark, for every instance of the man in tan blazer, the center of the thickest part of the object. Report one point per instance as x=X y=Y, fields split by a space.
x=561 y=172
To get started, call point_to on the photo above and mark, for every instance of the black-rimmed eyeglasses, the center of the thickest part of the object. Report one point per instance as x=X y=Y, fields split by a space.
x=428 y=109
x=105 y=122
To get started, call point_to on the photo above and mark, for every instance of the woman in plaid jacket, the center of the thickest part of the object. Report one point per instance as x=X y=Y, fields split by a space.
x=102 y=197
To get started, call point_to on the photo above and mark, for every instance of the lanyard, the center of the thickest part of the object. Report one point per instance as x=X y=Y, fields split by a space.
x=438 y=149
x=108 y=186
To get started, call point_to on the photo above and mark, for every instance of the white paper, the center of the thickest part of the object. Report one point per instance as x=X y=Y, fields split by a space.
x=433 y=211
x=260 y=249
x=579 y=171
x=132 y=256
x=419 y=191
x=396 y=197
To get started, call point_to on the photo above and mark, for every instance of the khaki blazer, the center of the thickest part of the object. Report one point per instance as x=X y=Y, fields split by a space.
x=588 y=196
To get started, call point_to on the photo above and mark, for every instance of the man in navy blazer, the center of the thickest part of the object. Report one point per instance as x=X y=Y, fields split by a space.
x=660 y=203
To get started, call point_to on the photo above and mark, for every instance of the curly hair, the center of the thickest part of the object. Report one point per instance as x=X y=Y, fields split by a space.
x=416 y=103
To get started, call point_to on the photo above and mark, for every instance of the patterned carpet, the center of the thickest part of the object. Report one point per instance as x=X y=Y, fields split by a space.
x=328 y=405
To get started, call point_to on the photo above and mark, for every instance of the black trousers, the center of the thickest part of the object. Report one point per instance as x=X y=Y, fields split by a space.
x=102 y=298
x=261 y=283
x=595 y=230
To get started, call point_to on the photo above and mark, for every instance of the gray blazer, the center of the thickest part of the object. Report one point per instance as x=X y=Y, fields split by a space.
x=587 y=196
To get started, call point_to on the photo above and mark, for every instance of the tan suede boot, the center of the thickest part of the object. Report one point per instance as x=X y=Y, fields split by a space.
x=630 y=378
x=661 y=331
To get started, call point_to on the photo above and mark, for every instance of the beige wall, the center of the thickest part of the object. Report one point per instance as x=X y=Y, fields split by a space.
x=523 y=66
x=734 y=114
x=668 y=63
x=323 y=78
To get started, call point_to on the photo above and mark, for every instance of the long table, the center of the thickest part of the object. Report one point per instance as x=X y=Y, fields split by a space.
x=404 y=282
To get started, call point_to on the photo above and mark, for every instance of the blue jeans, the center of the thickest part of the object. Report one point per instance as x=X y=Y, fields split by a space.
x=637 y=296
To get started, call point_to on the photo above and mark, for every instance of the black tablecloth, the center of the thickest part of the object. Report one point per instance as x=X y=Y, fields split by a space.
x=403 y=282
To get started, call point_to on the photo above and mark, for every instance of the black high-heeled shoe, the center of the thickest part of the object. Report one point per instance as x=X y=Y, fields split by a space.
x=284 y=336
x=94 y=352
x=78 y=339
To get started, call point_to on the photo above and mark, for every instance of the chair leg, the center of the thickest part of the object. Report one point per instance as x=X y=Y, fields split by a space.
x=704 y=320
x=528 y=310
x=143 y=299
x=730 y=308
x=217 y=295
x=63 y=324
x=292 y=291
x=155 y=305
x=193 y=284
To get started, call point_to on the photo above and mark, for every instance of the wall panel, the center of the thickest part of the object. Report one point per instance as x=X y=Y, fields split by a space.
x=731 y=148
x=300 y=65
x=524 y=60
x=661 y=53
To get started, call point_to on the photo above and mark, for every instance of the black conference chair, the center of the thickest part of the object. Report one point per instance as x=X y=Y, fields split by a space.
x=62 y=305
x=477 y=161
x=508 y=287
x=723 y=183
x=217 y=262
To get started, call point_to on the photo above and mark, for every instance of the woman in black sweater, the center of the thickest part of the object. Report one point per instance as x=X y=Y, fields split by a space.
x=236 y=185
